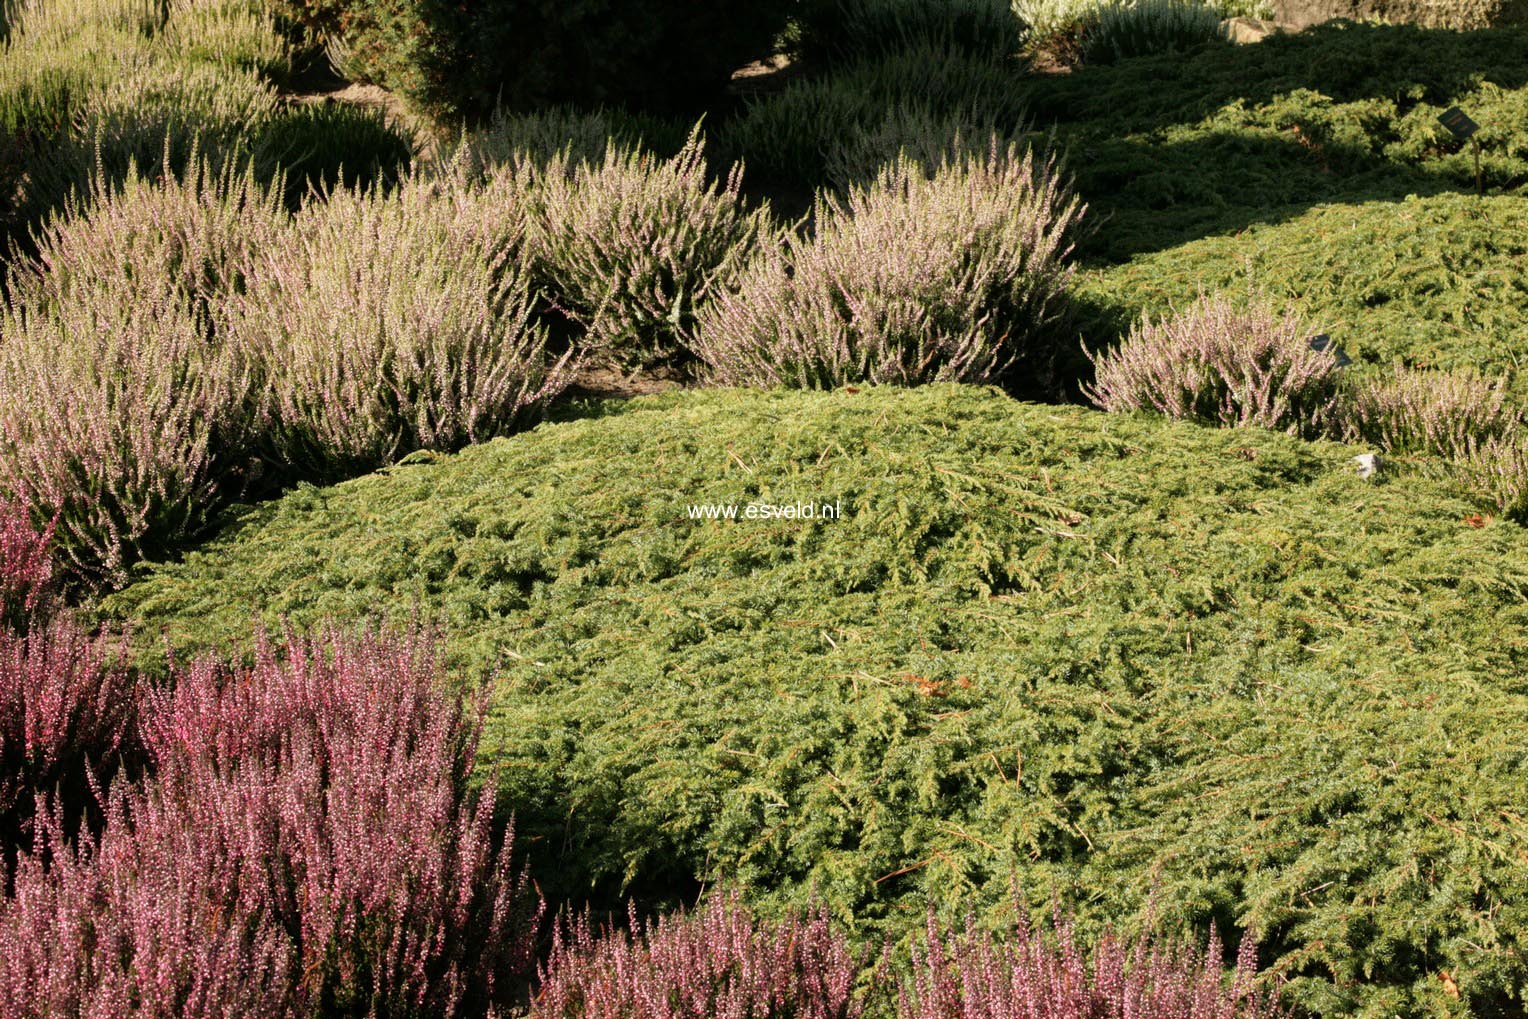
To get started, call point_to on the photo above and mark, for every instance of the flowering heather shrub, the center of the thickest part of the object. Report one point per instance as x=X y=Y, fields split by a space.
x=511 y=137
x=399 y=898
x=718 y=962
x=322 y=146
x=1447 y=414
x=633 y=246
x=120 y=419
x=1220 y=364
x=187 y=235
x=967 y=975
x=306 y=846
x=1497 y=469
x=53 y=58
x=170 y=119
x=238 y=34
x=916 y=129
x=58 y=53
x=56 y=23
x=1048 y=18
x=395 y=322
x=26 y=565
x=56 y=49
x=89 y=86
x=945 y=77
x=788 y=138
x=65 y=706
x=910 y=280
x=847 y=29
x=724 y=962
x=145 y=920
x=1119 y=29
x=130 y=410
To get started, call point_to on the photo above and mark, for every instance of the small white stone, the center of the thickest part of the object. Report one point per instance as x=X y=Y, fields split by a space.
x=1368 y=464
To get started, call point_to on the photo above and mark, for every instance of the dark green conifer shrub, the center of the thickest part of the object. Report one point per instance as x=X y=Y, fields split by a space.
x=463 y=59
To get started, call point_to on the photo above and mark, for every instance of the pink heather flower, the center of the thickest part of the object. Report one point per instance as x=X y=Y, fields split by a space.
x=1223 y=365
x=306 y=843
x=970 y=975
x=718 y=963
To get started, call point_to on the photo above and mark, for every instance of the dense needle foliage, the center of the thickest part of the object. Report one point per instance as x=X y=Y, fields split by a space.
x=1104 y=650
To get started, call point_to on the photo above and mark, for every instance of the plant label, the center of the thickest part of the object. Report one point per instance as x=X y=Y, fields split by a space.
x=1322 y=343
x=1458 y=123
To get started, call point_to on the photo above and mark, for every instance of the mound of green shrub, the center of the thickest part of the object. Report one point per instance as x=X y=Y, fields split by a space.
x=1437 y=282
x=1347 y=62
x=455 y=60
x=1171 y=149
x=1461 y=14
x=1095 y=653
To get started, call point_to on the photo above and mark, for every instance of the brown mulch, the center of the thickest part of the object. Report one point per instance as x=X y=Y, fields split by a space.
x=608 y=383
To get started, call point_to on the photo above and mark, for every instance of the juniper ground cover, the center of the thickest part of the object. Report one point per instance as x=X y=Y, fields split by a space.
x=1099 y=653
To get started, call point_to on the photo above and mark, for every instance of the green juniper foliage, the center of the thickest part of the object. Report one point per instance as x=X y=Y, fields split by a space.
x=459 y=60
x=1109 y=658
x=1096 y=654
x=1172 y=149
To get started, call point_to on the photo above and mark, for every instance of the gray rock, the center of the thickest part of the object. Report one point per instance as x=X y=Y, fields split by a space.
x=1245 y=30
x=1369 y=464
